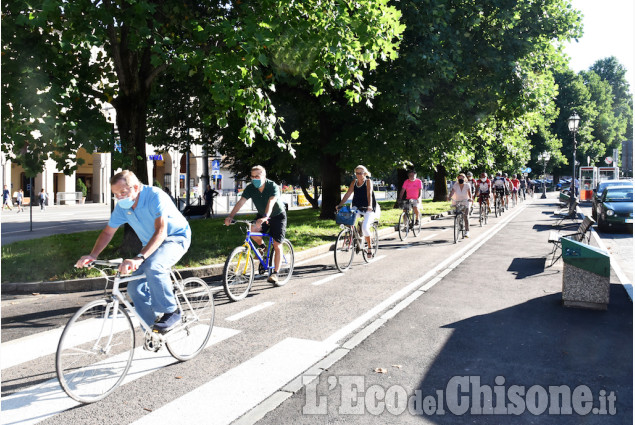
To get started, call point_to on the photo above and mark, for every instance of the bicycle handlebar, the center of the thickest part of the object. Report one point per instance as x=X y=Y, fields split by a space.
x=108 y=263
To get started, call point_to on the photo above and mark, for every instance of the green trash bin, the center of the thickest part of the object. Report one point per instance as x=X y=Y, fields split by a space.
x=586 y=276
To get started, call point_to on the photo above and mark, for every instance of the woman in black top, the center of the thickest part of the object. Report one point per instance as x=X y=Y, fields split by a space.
x=362 y=188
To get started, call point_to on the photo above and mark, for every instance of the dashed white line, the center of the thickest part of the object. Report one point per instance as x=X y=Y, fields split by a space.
x=249 y=311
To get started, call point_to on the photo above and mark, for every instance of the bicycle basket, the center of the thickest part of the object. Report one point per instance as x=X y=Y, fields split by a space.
x=346 y=217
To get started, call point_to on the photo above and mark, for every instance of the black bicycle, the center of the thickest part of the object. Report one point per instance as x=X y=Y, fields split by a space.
x=461 y=209
x=407 y=221
x=483 y=210
x=498 y=204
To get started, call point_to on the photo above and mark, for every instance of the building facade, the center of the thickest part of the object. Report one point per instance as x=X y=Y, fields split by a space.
x=166 y=169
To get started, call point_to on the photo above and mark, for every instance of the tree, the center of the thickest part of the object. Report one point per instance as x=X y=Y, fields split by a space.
x=114 y=51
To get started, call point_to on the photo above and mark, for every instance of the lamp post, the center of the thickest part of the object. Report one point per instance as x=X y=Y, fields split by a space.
x=574 y=123
x=544 y=157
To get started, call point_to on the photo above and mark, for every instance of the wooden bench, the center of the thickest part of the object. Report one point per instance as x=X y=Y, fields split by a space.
x=570 y=212
x=583 y=234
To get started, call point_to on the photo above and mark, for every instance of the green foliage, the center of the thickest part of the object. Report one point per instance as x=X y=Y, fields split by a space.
x=81 y=187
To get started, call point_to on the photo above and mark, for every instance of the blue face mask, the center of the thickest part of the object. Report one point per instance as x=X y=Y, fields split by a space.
x=257 y=183
x=126 y=203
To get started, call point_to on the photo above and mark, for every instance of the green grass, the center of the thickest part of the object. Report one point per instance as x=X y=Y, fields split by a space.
x=52 y=257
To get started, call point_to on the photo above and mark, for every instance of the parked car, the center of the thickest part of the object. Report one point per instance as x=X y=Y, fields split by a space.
x=597 y=193
x=615 y=208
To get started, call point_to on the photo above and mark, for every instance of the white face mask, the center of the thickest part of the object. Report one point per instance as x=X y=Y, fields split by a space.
x=483 y=179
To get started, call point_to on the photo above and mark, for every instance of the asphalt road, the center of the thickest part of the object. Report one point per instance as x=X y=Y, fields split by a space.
x=262 y=344
x=54 y=220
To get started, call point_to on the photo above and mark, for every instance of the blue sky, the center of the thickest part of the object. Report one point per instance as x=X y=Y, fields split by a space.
x=608 y=31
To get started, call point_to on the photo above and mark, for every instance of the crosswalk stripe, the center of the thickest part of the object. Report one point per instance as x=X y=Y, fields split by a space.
x=229 y=396
x=47 y=399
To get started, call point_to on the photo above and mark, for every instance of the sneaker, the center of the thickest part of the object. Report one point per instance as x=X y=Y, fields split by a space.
x=467 y=234
x=167 y=322
x=273 y=278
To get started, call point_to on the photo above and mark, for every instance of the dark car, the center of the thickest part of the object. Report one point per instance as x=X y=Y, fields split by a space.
x=597 y=193
x=615 y=208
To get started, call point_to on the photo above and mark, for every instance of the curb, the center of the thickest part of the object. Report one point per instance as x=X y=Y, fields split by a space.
x=211 y=271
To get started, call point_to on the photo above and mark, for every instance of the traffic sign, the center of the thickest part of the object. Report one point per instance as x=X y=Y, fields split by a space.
x=608 y=160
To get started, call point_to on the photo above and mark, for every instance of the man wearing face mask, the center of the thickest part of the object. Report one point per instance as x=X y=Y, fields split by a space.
x=165 y=235
x=271 y=217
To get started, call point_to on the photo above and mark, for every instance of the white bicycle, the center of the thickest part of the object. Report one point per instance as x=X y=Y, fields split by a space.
x=97 y=345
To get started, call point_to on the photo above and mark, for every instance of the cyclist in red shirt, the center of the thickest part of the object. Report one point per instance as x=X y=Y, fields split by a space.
x=515 y=187
x=412 y=186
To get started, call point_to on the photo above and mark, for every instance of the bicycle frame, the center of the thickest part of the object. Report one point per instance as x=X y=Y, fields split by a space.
x=118 y=297
x=249 y=244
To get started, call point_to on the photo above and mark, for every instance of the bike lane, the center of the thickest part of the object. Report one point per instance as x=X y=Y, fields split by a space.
x=489 y=342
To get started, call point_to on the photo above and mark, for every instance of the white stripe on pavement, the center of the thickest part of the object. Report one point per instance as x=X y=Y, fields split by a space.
x=249 y=311
x=222 y=400
x=47 y=399
x=327 y=279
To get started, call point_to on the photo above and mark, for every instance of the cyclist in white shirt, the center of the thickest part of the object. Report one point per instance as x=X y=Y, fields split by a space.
x=462 y=192
x=483 y=190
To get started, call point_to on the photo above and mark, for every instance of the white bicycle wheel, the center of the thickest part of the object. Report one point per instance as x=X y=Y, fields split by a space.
x=95 y=351
x=196 y=302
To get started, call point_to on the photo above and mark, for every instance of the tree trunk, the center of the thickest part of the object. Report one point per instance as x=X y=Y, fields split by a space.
x=402 y=176
x=440 y=184
x=313 y=200
x=331 y=172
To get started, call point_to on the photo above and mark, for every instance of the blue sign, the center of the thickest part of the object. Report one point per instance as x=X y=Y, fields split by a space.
x=155 y=157
x=216 y=164
x=118 y=147
x=527 y=170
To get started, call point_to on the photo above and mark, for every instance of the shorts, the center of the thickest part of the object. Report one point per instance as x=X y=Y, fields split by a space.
x=500 y=191
x=276 y=226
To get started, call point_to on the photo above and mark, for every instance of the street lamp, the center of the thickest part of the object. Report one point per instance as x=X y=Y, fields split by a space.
x=574 y=123
x=544 y=157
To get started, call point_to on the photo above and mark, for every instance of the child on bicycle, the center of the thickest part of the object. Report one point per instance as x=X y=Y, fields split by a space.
x=271 y=217
x=462 y=193
x=165 y=235
x=364 y=200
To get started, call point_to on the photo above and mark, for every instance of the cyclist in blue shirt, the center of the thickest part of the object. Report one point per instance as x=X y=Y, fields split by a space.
x=165 y=235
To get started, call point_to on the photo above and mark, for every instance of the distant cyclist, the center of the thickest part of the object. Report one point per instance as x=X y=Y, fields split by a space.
x=523 y=186
x=412 y=187
x=515 y=187
x=483 y=190
x=499 y=186
x=461 y=191
x=508 y=187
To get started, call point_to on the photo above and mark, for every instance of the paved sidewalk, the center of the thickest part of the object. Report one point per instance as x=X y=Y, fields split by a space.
x=493 y=322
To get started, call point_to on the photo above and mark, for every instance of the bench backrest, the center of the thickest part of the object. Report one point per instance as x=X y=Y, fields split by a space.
x=585 y=226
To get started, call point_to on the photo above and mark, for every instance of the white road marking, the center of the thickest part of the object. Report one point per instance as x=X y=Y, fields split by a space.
x=327 y=279
x=365 y=317
x=222 y=400
x=429 y=237
x=249 y=311
x=31 y=347
x=47 y=399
